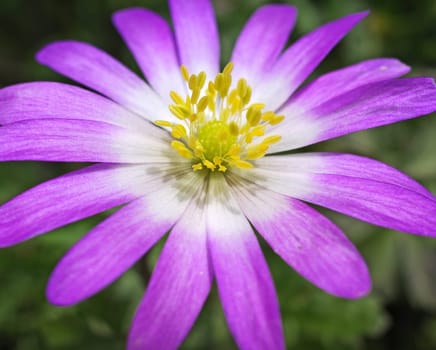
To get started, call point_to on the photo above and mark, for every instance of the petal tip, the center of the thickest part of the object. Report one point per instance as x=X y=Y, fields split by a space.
x=404 y=67
x=40 y=55
x=58 y=296
x=290 y=9
x=6 y=243
x=353 y=18
x=124 y=14
x=54 y=298
x=362 y=14
x=44 y=54
x=10 y=237
x=355 y=290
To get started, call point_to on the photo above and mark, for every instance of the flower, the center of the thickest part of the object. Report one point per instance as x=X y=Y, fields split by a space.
x=207 y=167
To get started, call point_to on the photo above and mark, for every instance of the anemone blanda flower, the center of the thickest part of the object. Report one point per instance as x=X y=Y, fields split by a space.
x=204 y=168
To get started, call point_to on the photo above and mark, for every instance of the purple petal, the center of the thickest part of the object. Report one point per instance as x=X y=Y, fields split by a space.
x=341 y=164
x=376 y=202
x=299 y=60
x=78 y=141
x=151 y=41
x=113 y=246
x=365 y=107
x=262 y=40
x=96 y=69
x=388 y=204
x=244 y=282
x=306 y=240
x=66 y=199
x=197 y=35
x=43 y=100
x=346 y=79
x=178 y=288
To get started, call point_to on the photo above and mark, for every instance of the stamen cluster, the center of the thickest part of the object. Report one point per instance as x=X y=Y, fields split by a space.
x=219 y=128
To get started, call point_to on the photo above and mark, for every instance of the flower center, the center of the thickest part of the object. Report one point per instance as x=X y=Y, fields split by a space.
x=216 y=138
x=219 y=128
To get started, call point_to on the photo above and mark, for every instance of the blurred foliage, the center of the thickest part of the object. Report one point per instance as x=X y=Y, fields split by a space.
x=400 y=313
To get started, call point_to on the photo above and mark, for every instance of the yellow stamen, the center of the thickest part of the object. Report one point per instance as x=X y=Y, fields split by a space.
x=271 y=139
x=182 y=149
x=178 y=131
x=162 y=123
x=180 y=111
x=202 y=104
x=197 y=166
x=178 y=100
x=242 y=164
x=185 y=72
x=219 y=127
x=228 y=68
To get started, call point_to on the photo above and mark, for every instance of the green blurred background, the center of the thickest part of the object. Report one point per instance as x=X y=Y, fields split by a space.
x=399 y=314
